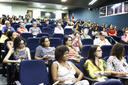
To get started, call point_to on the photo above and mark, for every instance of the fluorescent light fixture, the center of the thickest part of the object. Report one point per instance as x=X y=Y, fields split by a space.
x=64 y=8
x=42 y=6
x=92 y=2
x=63 y=0
x=116 y=5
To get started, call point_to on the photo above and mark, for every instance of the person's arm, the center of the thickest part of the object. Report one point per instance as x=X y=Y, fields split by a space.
x=54 y=73
x=38 y=58
x=90 y=67
x=78 y=72
x=124 y=39
x=95 y=42
x=107 y=42
x=6 y=59
x=111 y=34
x=8 y=45
x=12 y=29
x=28 y=52
x=19 y=30
x=94 y=34
x=30 y=30
x=80 y=43
x=76 y=40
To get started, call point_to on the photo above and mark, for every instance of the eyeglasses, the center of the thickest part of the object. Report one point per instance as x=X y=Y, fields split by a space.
x=69 y=40
x=98 y=50
x=21 y=43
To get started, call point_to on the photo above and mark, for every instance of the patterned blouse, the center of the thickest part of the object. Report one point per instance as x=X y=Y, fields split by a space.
x=115 y=65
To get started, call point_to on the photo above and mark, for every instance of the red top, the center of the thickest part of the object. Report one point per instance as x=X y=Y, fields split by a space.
x=111 y=31
x=20 y=29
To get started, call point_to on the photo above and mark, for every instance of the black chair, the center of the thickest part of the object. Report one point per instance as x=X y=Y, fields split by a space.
x=26 y=35
x=54 y=42
x=42 y=34
x=85 y=50
x=87 y=41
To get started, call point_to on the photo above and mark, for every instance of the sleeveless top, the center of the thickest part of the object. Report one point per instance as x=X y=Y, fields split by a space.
x=23 y=55
x=64 y=73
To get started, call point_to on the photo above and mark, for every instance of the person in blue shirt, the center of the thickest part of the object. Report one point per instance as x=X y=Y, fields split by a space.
x=7 y=27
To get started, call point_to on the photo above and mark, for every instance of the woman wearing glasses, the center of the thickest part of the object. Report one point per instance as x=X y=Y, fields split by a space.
x=95 y=67
x=20 y=52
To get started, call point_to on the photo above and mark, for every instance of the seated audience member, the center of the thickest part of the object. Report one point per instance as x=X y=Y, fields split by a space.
x=11 y=35
x=85 y=34
x=116 y=61
x=76 y=41
x=95 y=32
x=7 y=27
x=59 y=29
x=43 y=51
x=101 y=40
x=37 y=21
x=114 y=28
x=20 y=52
x=21 y=29
x=20 y=20
x=4 y=36
x=77 y=27
x=25 y=23
x=35 y=30
x=111 y=31
x=95 y=67
x=124 y=38
x=47 y=22
x=73 y=54
x=64 y=71
x=69 y=25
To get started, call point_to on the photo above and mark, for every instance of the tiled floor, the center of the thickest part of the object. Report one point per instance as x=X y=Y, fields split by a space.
x=3 y=80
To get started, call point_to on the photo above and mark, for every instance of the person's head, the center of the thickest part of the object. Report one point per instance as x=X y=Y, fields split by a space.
x=61 y=53
x=110 y=27
x=114 y=27
x=123 y=28
x=34 y=24
x=97 y=24
x=86 y=32
x=6 y=31
x=103 y=29
x=125 y=32
x=102 y=36
x=67 y=41
x=94 y=52
x=7 y=23
x=15 y=18
x=118 y=50
x=95 y=28
x=19 y=42
x=44 y=41
x=59 y=25
x=77 y=33
x=12 y=35
x=47 y=22
x=22 y=25
x=25 y=21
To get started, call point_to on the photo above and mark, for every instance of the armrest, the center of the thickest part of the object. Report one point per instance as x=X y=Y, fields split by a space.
x=17 y=83
x=9 y=75
x=90 y=79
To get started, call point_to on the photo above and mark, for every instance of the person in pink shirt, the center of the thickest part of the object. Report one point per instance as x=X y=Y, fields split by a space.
x=124 y=38
x=21 y=29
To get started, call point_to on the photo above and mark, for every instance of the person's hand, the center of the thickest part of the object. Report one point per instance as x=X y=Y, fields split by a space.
x=46 y=56
x=121 y=73
x=18 y=61
x=74 y=80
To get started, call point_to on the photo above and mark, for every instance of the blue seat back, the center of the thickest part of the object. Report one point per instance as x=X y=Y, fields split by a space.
x=32 y=43
x=57 y=35
x=28 y=27
x=85 y=50
x=82 y=61
x=106 y=49
x=126 y=49
x=47 y=30
x=54 y=42
x=67 y=31
x=120 y=33
x=33 y=72
x=26 y=35
x=87 y=41
x=42 y=34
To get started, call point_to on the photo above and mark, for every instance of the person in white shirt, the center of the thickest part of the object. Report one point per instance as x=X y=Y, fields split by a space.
x=101 y=40
x=59 y=29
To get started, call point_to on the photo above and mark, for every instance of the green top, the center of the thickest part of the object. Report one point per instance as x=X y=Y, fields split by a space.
x=87 y=36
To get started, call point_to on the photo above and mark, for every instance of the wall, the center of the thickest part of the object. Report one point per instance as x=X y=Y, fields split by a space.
x=21 y=9
x=85 y=14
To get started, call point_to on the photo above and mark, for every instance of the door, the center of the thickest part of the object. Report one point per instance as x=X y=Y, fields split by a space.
x=30 y=12
x=65 y=16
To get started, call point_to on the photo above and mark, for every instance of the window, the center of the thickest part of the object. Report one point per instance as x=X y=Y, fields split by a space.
x=109 y=10
x=126 y=6
x=103 y=11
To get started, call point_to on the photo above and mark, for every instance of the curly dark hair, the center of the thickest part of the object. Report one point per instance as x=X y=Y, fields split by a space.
x=59 y=51
x=94 y=29
x=118 y=50
x=42 y=39
x=17 y=40
x=65 y=39
x=9 y=34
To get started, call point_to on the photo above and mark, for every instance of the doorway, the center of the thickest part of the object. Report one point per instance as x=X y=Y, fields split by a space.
x=30 y=12
x=65 y=16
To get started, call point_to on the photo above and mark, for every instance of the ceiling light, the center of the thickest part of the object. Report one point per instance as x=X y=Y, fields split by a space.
x=42 y=6
x=63 y=0
x=64 y=8
x=92 y=2
x=116 y=5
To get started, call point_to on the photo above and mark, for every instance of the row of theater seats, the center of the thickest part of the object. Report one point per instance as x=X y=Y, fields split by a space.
x=34 y=72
